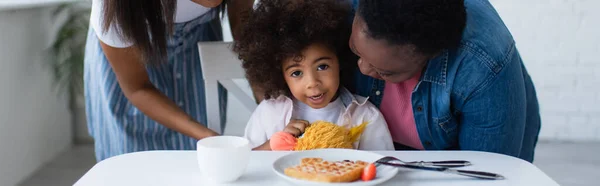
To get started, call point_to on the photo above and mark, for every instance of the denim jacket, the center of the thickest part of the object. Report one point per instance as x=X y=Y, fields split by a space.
x=478 y=96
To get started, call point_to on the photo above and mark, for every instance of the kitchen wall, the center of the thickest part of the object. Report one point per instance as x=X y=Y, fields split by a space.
x=560 y=43
x=35 y=125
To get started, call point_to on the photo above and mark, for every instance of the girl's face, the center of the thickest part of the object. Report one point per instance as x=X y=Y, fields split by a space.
x=314 y=77
x=208 y=3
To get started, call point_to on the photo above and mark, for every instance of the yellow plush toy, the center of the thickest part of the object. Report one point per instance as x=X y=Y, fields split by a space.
x=319 y=135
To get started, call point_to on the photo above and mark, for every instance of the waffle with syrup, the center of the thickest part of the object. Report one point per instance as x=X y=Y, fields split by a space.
x=319 y=170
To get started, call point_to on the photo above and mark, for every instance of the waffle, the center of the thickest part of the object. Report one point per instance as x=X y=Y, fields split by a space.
x=316 y=169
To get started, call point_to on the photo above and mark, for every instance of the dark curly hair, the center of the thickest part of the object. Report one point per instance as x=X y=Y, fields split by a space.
x=430 y=25
x=281 y=29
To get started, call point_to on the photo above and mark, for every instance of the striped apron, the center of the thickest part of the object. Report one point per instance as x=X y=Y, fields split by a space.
x=116 y=125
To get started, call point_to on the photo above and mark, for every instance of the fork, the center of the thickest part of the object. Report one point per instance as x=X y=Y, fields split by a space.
x=450 y=163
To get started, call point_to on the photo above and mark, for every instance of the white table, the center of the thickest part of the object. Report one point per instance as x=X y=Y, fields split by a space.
x=181 y=168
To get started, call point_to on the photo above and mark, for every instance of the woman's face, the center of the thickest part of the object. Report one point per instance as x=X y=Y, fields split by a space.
x=381 y=60
x=314 y=78
x=208 y=3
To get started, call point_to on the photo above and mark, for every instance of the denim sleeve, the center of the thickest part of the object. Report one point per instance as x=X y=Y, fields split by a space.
x=493 y=116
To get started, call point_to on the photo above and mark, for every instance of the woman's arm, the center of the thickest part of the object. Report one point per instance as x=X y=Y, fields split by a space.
x=493 y=118
x=135 y=84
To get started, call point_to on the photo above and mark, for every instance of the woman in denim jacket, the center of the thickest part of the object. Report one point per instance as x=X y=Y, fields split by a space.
x=446 y=75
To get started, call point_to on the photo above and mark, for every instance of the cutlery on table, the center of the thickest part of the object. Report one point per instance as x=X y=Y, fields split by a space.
x=450 y=163
x=469 y=173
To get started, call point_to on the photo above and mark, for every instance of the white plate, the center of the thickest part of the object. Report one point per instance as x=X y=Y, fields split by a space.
x=384 y=173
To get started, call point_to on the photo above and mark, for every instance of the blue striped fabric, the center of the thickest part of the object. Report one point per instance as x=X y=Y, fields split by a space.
x=116 y=125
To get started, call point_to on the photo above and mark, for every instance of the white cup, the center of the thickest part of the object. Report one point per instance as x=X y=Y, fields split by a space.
x=223 y=159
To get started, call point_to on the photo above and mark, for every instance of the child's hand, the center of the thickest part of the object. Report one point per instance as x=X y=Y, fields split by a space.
x=296 y=127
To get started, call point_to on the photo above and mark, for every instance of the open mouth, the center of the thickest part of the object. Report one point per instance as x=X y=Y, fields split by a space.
x=316 y=97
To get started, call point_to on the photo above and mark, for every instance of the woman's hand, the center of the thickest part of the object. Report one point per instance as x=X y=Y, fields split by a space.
x=296 y=127
x=209 y=133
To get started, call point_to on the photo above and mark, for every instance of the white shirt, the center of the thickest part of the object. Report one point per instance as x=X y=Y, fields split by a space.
x=330 y=113
x=273 y=115
x=186 y=11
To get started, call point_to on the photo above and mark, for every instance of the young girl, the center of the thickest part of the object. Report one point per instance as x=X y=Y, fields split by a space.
x=294 y=51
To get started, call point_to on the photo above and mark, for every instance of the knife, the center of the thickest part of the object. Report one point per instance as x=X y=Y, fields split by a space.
x=469 y=173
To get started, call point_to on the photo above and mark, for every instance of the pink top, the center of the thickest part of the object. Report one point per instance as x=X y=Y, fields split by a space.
x=396 y=107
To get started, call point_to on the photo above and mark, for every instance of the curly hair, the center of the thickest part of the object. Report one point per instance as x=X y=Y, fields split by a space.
x=281 y=29
x=430 y=25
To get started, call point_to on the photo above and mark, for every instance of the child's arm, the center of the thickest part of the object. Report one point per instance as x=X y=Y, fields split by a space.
x=287 y=141
x=376 y=135
x=264 y=146
x=268 y=119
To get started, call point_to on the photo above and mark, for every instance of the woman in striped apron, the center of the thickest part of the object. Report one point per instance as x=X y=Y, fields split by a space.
x=143 y=79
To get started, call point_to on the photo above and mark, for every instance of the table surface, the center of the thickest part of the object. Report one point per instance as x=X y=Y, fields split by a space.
x=181 y=168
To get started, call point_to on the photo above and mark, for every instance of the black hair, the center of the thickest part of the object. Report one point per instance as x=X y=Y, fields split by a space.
x=429 y=25
x=281 y=29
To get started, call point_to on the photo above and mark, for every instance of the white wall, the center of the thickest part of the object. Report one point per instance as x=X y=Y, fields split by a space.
x=560 y=43
x=34 y=123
